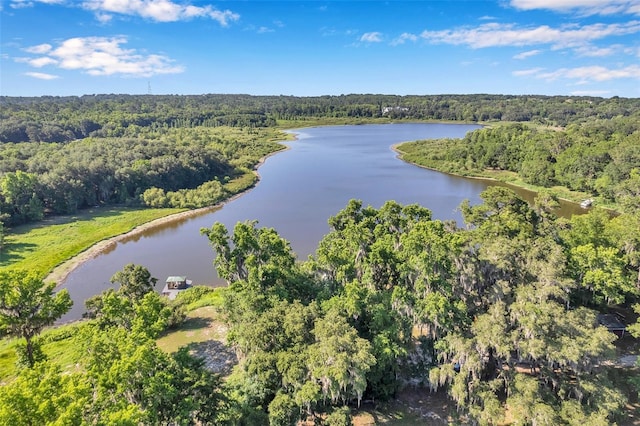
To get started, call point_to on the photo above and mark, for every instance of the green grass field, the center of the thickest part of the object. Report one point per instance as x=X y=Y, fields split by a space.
x=202 y=324
x=42 y=246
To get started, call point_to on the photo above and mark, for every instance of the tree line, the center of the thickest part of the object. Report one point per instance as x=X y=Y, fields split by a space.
x=61 y=154
x=168 y=168
x=62 y=119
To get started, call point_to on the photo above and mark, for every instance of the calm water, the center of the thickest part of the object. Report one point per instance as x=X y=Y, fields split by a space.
x=298 y=191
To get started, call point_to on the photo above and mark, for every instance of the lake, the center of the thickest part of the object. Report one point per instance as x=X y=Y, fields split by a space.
x=298 y=191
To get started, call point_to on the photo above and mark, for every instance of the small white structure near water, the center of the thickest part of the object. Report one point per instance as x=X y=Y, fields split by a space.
x=174 y=285
x=586 y=203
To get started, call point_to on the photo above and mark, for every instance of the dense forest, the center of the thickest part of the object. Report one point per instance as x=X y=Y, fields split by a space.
x=60 y=119
x=502 y=315
x=160 y=168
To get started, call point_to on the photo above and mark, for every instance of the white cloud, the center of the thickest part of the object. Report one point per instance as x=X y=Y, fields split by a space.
x=598 y=52
x=41 y=61
x=39 y=49
x=404 y=37
x=584 y=7
x=594 y=73
x=103 y=56
x=264 y=30
x=19 y=4
x=41 y=75
x=373 y=37
x=590 y=92
x=531 y=71
x=527 y=54
x=494 y=34
x=158 y=10
x=103 y=17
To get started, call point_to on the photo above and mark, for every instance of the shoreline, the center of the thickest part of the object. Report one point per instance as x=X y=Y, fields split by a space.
x=61 y=272
x=484 y=178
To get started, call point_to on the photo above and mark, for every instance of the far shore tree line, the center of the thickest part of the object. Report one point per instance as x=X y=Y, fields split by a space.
x=501 y=314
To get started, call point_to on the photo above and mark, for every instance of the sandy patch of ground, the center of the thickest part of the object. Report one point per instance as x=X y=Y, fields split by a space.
x=217 y=356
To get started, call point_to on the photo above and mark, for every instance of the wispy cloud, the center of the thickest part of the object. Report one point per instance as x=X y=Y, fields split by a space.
x=158 y=10
x=41 y=75
x=38 y=62
x=19 y=4
x=154 y=10
x=594 y=73
x=598 y=52
x=531 y=71
x=100 y=56
x=103 y=17
x=494 y=34
x=264 y=30
x=333 y=32
x=404 y=37
x=39 y=49
x=527 y=54
x=583 y=7
x=373 y=37
x=590 y=92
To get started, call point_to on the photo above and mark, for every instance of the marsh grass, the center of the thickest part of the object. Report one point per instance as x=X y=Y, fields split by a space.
x=42 y=246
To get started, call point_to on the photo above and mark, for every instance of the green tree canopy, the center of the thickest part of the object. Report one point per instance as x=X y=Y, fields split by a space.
x=27 y=305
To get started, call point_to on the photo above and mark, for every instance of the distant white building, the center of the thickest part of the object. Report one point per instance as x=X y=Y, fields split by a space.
x=387 y=110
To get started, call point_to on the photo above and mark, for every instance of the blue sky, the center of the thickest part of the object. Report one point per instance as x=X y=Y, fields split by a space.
x=309 y=48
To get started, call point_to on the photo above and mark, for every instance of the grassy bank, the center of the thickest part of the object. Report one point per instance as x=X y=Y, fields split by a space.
x=42 y=246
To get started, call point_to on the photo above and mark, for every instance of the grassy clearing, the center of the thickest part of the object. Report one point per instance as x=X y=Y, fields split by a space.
x=202 y=324
x=339 y=121
x=42 y=246
x=58 y=344
x=241 y=183
x=7 y=359
x=565 y=193
x=512 y=178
